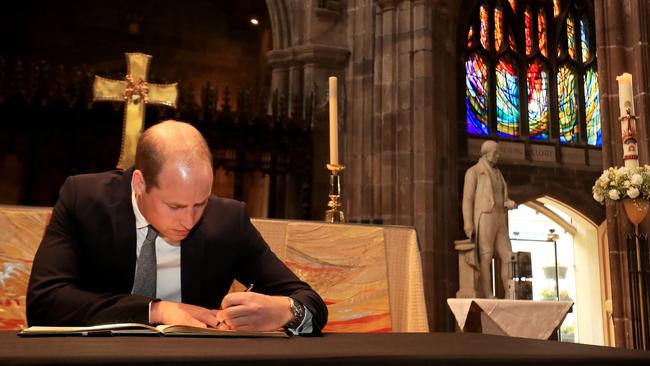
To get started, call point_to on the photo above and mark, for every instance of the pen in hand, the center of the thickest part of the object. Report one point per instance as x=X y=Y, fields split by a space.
x=248 y=289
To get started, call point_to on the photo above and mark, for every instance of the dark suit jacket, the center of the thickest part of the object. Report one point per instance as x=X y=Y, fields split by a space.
x=84 y=268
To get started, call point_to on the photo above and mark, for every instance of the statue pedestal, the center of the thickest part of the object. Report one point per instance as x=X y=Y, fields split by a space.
x=468 y=269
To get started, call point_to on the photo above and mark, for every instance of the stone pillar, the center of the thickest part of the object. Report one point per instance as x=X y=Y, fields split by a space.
x=279 y=61
x=412 y=135
x=386 y=111
x=622 y=38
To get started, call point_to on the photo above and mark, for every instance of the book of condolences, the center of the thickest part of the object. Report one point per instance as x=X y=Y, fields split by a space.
x=143 y=329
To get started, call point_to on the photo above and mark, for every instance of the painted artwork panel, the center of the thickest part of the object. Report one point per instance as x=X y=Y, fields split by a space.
x=22 y=231
x=348 y=267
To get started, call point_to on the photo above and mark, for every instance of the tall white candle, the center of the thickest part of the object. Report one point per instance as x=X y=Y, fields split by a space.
x=625 y=93
x=334 y=116
x=628 y=126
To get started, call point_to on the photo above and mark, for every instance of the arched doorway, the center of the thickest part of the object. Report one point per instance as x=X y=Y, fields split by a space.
x=580 y=274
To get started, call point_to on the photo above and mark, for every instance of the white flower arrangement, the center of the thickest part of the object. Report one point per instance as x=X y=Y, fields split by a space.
x=619 y=183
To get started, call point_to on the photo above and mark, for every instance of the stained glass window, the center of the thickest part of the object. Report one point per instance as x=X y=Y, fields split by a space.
x=538 y=105
x=567 y=96
x=485 y=27
x=541 y=31
x=476 y=96
x=592 y=108
x=584 y=41
x=498 y=28
x=528 y=25
x=522 y=93
x=507 y=98
x=571 y=37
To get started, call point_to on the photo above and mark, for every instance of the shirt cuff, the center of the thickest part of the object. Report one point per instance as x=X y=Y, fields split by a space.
x=306 y=327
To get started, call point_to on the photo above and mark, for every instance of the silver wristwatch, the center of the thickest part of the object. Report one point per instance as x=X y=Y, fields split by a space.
x=298 y=311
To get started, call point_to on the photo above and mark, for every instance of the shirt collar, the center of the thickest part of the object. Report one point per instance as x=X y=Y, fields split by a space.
x=140 y=221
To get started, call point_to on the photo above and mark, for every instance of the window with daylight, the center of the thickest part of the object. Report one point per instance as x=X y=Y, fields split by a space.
x=531 y=72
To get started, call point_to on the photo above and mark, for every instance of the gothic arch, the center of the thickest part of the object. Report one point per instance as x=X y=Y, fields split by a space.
x=579 y=201
x=280 y=23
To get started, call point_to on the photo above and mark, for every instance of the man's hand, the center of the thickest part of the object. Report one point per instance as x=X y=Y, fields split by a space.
x=251 y=311
x=176 y=313
x=509 y=204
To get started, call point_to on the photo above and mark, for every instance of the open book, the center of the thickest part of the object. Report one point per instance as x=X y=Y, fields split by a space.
x=143 y=329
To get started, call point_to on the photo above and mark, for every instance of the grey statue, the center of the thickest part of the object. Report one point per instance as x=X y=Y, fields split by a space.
x=485 y=215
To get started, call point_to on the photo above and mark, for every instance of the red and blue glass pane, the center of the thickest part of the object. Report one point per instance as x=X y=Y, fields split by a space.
x=571 y=37
x=538 y=102
x=528 y=31
x=485 y=27
x=498 y=28
x=476 y=95
x=507 y=99
x=592 y=108
x=513 y=5
x=541 y=31
x=567 y=104
x=584 y=41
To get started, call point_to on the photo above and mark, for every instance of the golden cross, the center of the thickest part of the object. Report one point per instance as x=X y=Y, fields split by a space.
x=135 y=91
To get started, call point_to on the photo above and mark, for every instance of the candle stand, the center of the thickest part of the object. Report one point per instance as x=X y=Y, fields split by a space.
x=334 y=213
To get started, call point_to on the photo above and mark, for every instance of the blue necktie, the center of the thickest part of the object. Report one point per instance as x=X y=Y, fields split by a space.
x=146 y=269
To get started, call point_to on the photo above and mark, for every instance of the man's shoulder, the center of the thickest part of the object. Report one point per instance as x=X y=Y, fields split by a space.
x=98 y=185
x=107 y=177
x=223 y=215
x=225 y=207
x=227 y=203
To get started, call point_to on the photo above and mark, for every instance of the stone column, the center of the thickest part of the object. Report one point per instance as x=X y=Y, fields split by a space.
x=279 y=61
x=622 y=38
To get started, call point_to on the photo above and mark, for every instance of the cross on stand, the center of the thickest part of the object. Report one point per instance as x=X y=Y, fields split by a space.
x=136 y=92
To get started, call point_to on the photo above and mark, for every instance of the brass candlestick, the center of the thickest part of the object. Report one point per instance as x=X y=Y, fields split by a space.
x=334 y=214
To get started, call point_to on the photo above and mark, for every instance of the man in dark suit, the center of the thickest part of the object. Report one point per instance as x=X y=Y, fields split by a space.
x=151 y=244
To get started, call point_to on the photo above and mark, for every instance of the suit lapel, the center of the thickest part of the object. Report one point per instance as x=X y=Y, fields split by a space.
x=192 y=261
x=124 y=230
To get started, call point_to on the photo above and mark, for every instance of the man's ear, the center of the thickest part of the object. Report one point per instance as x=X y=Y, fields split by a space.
x=137 y=183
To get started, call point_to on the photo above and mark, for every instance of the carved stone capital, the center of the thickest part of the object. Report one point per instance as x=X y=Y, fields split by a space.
x=387 y=4
x=279 y=58
x=319 y=54
x=324 y=55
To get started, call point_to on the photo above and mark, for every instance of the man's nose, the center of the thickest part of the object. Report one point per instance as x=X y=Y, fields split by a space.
x=187 y=218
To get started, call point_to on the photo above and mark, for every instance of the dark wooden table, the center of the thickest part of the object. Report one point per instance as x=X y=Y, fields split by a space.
x=332 y=349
